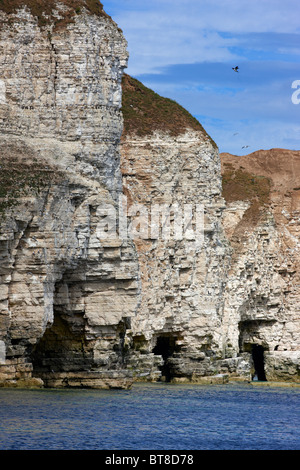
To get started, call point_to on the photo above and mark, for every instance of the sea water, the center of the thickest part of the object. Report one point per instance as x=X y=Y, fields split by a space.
x=152 y=416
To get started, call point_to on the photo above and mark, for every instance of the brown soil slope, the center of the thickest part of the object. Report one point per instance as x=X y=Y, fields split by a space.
x=280 y=165
x=267 y=178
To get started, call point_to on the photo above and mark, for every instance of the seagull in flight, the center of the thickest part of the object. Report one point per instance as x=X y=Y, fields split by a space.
x=235 y=69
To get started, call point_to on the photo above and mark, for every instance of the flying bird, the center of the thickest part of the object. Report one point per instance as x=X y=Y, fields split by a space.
x=235 y=69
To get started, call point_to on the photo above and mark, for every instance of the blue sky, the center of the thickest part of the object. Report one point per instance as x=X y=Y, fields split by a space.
x=185 y=50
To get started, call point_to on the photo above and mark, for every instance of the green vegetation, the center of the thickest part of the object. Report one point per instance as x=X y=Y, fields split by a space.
x=43 y=9
x=145 y=111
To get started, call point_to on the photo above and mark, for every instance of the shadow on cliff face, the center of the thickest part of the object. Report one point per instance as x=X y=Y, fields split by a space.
x=61 y=350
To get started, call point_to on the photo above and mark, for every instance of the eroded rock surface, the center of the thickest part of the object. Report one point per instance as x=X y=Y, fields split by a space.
x=206 y=293
x=262 y=222
x=66 y=294
x=228 y=308
x=183 y=280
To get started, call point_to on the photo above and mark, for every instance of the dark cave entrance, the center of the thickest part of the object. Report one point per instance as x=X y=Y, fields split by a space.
x=259 y=363
x=62 y=349
x=251 y=334
x=165 y=347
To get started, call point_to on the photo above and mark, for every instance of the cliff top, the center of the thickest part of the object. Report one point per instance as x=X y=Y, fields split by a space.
x=259 y=178
x=43 y=9
x=145 y=111
x=281 y=166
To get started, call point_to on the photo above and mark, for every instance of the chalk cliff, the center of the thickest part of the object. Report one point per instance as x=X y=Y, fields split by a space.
x=229 y=307
x=128 y=249
x=66 y=293
x=167 y=159
x=261 y=220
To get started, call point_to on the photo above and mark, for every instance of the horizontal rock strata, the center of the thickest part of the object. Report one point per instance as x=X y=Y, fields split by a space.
x=262 y=296
x=67 y=291
x=183 y=278
x=129 y=250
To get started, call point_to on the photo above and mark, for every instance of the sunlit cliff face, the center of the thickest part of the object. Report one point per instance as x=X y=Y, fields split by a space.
x=80 y=307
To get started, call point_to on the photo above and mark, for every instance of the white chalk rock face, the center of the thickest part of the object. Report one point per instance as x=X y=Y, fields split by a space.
x=64 y=290
x=129 y=250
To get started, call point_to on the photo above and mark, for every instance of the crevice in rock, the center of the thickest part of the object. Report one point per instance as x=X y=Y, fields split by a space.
x=259 y=363
x=55 y=65
x=122 y=347
x=166 y=347
x=251 y=340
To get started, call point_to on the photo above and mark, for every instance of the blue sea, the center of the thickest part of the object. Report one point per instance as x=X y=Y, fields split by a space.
x=152 y=416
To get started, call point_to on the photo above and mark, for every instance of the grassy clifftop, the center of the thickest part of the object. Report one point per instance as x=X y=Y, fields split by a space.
x=145 y=111
x=43 y=9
